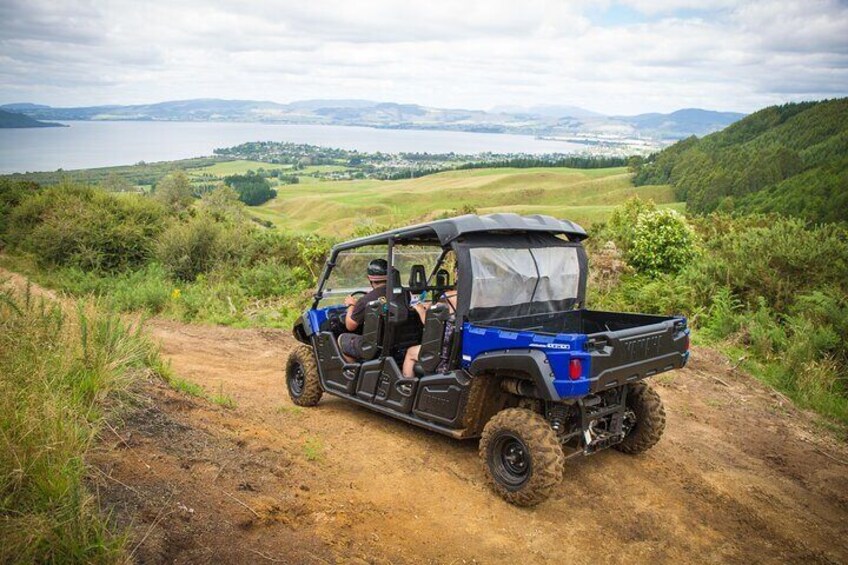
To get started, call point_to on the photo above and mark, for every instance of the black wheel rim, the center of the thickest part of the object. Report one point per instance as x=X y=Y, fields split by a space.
x=297 y=380
x=628 y=423
x=510 y=458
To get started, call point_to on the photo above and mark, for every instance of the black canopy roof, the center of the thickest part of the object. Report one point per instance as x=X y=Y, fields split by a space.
x=445 y=231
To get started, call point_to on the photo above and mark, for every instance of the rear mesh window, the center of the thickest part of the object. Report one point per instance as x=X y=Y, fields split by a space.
x=505 y=276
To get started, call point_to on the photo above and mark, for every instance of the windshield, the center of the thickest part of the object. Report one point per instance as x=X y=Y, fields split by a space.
x=349 y=273
x=407 y=256
x=514 y=276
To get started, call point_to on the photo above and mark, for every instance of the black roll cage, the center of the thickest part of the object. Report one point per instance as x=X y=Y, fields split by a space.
x=460 y=235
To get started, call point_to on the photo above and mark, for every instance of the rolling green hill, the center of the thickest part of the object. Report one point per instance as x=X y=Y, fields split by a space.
x=339 y=207
x=791 y=159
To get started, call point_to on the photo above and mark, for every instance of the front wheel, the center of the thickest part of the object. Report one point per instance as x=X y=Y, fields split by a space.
x=644 y=419
x=522 y=455
x=302 y=377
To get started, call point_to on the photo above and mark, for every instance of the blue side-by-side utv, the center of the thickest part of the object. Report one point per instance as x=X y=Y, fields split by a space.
x=513 y=358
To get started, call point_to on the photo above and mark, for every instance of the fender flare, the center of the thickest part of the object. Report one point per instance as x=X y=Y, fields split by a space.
x=299 y=331
x=528 y=364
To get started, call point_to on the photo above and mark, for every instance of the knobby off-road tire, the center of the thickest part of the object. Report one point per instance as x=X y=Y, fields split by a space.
x=302 y=378
x=522 y=456
x=650 y=419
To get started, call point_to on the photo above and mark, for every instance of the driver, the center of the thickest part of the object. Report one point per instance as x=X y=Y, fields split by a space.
x=350 y=344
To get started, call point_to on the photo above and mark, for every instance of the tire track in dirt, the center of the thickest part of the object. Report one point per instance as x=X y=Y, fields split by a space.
x=740 y=475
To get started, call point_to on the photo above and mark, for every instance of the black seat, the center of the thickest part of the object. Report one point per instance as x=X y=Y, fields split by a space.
x=403 y=323
x=431 y=340
x=399 y=302
x=372 y=329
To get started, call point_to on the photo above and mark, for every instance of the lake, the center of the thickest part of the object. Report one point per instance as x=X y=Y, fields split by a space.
x=85 y=145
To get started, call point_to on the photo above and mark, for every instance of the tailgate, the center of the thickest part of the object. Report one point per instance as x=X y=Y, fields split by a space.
x=632 y=354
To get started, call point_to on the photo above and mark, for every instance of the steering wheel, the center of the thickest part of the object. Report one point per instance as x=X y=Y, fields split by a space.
x=360 y=292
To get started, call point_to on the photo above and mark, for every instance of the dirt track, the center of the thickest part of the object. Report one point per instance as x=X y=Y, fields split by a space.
x=740 y=476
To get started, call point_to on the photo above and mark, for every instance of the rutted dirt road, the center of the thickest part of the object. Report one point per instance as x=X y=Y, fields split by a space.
x=740 y=476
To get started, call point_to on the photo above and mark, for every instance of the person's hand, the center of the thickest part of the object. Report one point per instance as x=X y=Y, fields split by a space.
x=349 y=301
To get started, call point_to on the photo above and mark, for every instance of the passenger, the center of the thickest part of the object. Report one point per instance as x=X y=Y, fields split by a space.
x=350 y=344
x=411 y=357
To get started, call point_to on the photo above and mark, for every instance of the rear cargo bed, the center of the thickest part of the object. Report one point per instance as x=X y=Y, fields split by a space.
x=624 y=348
x=586 y=322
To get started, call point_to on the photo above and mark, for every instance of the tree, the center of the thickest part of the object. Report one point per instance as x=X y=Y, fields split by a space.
x=251 y=188
x=116 y=183
x=223 y=204
x=175 y=191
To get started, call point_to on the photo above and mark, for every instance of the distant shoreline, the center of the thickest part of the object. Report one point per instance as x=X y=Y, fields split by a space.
x=13 y=120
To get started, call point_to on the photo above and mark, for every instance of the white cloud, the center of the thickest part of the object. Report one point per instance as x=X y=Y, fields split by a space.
x=676 y=53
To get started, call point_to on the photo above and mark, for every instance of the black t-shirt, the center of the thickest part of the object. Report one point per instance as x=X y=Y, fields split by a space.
x=358 y=313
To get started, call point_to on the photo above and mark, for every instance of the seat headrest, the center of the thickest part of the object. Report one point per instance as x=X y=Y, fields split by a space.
x=417 y=279
x=397 y=285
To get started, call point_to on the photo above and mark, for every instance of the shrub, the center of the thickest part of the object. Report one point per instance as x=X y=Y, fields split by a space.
x=270 y=278
x=662 y=243
x=80 y=226
x=174 y=191
x=306 y=251
x=764 y=335
x=621 y=227
x=775 y=258
x=187 y=249
x=222 y=203
x=147 y=289
x=724 y=317
x=12 y=193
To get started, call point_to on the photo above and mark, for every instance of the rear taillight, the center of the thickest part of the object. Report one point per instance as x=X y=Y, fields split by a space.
x=686 y=343
x=575 y=369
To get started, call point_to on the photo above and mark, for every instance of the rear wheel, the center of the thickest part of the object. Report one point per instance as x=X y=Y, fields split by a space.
x=522 y=455
x=645 y=418
x=302 y=377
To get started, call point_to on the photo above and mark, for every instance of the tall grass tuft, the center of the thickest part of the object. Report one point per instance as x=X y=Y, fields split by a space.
x=60 y=370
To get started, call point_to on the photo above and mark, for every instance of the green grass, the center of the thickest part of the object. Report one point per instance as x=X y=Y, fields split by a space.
x=313 y=449
x=830 y=402
x=242 y=166
x=338 y=207
x=150 y=290
x=187 y=387
x=222 y=399
x=62 y=372
x=193 y=389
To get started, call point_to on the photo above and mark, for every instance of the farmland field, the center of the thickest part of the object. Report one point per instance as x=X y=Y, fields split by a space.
x=338 y=207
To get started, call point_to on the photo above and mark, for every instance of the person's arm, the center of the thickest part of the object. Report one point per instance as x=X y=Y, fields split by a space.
x=350 y=323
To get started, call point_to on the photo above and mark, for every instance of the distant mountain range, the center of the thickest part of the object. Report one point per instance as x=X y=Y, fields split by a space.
x=546 y=121
x=16 y=120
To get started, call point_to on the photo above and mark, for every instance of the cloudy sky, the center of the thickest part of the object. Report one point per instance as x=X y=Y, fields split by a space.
x=614 y=57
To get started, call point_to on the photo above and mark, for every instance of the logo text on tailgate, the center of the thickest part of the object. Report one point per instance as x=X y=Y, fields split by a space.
x=642 y=347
